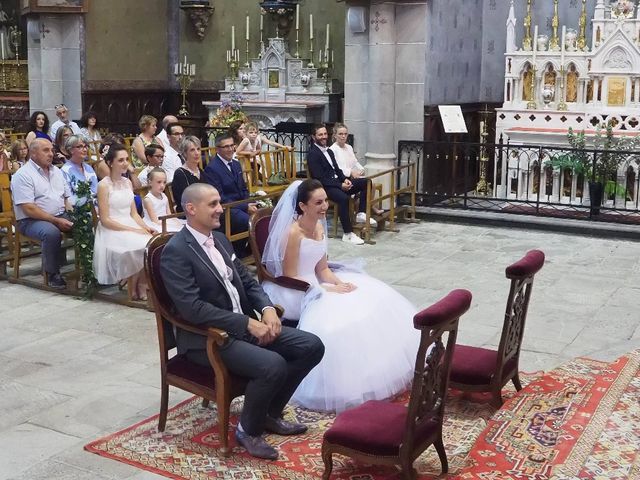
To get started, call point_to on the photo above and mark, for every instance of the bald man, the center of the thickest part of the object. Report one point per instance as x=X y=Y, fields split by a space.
x=211 y=287
x=40 y=201
x=163 y=135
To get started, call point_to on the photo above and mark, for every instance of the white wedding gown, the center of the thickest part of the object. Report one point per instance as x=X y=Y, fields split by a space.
x=370 y=342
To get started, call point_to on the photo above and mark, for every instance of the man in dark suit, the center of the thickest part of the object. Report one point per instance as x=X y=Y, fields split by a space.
x=211 y=287
x=225 y=174
x=323 y=166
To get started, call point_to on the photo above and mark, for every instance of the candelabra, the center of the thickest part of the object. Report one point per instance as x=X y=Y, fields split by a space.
x=531 y=105
x=185 y=73
x=3 y=75
x=326 y=66
x=234 y=67
x=297 y=55
x=14 y=38
x=562 y=106
x=246 y=64
x=482 y=187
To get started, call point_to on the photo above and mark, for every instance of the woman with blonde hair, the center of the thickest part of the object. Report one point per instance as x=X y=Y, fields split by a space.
x=148 y=125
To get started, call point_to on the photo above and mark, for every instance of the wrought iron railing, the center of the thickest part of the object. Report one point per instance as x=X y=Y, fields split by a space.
x=527 y=179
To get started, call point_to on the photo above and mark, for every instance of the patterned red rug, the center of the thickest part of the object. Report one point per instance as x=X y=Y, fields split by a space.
x=188 y=448
x=580 y=421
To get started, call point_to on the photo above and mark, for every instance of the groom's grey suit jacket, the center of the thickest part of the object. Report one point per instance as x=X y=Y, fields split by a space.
x=198 y=292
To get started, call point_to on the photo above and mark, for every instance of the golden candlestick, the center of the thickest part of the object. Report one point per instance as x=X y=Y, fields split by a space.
x=582 y=35
x=246 y=64
x=310 y=64
x=526 y=41
x=554 y=43
x=483 y=187
x=531 y=105
x=562 y=106
x=297 y=42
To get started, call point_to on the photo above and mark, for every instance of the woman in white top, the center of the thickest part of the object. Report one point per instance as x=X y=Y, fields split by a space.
x=91 y=134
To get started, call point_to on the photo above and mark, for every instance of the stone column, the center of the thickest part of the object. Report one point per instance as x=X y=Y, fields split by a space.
x=384 y=80
x=54 y=48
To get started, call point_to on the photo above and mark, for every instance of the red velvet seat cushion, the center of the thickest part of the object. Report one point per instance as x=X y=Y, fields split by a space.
x=446 y=309
x=472 y=365
x=375 y=427
x=183 y=368
x=527 y=266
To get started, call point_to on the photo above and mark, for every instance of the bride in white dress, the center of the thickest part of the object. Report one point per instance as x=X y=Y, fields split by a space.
x=122 y=235
x=366 y=325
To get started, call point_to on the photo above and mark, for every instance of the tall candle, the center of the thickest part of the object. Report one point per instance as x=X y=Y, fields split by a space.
x=326 y=46
x=2 y=43
x=233 y=37
x=297 y=16
x=247 y=31
x=535 y=44
x=175 y=69
x=228 y=56
x=261 y=23
x=311 y=26
x=564 y=32
x=193 y=69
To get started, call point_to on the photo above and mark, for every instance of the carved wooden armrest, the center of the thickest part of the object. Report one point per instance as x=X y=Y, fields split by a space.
x=292 y=283
x=218 y=336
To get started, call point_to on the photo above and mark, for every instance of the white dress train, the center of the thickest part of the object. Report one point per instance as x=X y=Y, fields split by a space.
x=370 y=342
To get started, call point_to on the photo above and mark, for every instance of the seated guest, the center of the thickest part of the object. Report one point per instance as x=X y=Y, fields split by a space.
x=38 y=127
x=148 y=125
x=190 y=172
x=211 y=287
x=76 y=169
x=156 y=203
x=19 y=154
x=166 y=121
x=40 y=200
x=62 y=112
x=345 y=157
x=172 y=159
x=323 y=166
x=90 y=133
x=154 y=154
x=121 y=236
x=60 y=154
x=225 y=173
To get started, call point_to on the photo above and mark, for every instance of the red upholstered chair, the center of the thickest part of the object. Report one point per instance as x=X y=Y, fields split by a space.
x=479 y=369
x=215 y=383
x=258 y=233
x=384 y=433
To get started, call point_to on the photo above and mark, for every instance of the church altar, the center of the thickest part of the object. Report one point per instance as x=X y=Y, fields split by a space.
x=559 y=82
x=280 y=87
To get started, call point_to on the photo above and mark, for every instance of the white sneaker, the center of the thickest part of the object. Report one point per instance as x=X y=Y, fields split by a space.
x=361 y=217
x=352 y=238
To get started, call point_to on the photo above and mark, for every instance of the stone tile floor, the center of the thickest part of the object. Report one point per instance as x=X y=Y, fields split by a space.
x=75 y=370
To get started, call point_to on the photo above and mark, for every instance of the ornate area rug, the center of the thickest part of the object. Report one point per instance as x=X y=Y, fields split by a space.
x=189 y=446
x=580 y=421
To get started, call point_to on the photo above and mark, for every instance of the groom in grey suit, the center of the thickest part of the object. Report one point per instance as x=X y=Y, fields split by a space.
x=211 y=287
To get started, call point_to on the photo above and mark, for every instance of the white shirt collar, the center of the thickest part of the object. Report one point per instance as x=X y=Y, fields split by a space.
x=200 y=238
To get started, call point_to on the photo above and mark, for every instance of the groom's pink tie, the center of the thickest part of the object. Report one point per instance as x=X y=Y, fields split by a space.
x=215 y=256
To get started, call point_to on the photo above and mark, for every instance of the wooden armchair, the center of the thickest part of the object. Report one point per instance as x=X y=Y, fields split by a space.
x=6 y=222
x=385 y=433
x=258 y=233
x=215 y=383
x=479 y=369
x=262 y=167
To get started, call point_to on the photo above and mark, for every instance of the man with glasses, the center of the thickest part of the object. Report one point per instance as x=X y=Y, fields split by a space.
x=62 y=112
x=172 y=159
x=154 y=153
x=225 y=173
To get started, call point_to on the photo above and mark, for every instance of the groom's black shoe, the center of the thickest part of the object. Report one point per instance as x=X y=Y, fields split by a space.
x=282 y=427
x=256 y=446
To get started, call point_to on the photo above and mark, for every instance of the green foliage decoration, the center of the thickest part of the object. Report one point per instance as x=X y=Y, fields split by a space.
x=83 y=235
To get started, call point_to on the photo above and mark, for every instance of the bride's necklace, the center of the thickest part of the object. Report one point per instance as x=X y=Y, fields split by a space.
x=307 y=233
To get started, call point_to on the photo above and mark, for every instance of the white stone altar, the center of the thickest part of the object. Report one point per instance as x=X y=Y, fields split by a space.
x=278 y=87
x=574 y=85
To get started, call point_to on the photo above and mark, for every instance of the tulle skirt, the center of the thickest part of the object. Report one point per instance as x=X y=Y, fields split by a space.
x=118 y=254
x=370 y=345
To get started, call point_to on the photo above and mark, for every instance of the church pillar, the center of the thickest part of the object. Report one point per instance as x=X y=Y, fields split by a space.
x=384 y=79
x=636 y=90
x=54 y=53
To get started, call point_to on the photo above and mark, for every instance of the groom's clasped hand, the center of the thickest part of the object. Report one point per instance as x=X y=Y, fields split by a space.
x=266 y=330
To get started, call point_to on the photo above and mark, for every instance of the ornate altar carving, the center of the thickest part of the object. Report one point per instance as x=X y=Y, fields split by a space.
x=280 y=87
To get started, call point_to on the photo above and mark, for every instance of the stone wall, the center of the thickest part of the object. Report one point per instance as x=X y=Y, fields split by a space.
x=134 y=44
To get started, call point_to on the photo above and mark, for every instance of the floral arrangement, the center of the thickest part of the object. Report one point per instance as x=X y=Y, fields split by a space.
x=262 y=202
x=83 y=236
x=229 y=111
